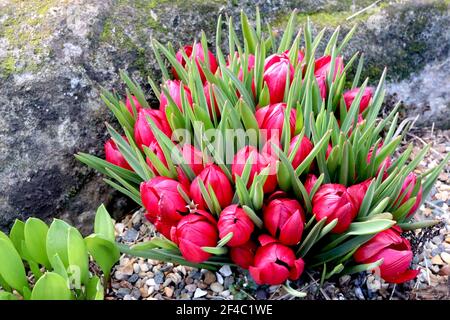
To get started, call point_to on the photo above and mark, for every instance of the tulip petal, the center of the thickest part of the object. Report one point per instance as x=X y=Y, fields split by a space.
x=291 y=231
x=297 y=270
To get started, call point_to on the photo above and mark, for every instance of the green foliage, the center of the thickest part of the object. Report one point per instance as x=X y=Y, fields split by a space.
x=62 y=253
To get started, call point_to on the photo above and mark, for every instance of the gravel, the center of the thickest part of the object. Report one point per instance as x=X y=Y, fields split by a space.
x=137 y=278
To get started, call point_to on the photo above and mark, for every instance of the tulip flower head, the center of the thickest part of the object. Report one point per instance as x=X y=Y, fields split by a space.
x=274 y=263
x=258 y=163
x=194 y=231
x=198 y=55
x=212 y=176
x=395 y=252
x=162 y=200
x=243 y=255
x=333 y=201
x=350 y=95
x=234 y=219
x=322 y=68
x=357 y=193
x=310 y=182
x=113 y=155
x=143 y=133
x=276 y=68
x=284 y=219
x=156 y=149
x=406 y=192
x=303 y=150
x=137 y=105
x=271 y=120
x=174 y=88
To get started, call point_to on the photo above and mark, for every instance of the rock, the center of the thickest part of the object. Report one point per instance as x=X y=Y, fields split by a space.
x=136 y=293
x=209 y=277
x=200 y=293
x=445 y=271
x=55 y=55
x=437 y=260
x=133 y=278
x=190 y=287
x=445 y=257
x=159 y=277
x=131 y=235
x=359 y=294
x=219 y=278
x=168 y=291
x=122 y=292
x=216 y=287
x=225 y=270
x=150 y=282
x=225 y=293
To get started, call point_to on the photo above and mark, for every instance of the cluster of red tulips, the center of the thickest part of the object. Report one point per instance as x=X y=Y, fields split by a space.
x=320 y=187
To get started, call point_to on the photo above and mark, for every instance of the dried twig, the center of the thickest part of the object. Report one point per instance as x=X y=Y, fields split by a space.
x=363 y=10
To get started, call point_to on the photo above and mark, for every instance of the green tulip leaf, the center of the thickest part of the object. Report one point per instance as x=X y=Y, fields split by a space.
x=105 y=253
x=7 y=296
x=11 y=267
x=57 y=238
x=104 y=225
x=78 y=257
x=94 y=289
x=17 y=235
x=51 y=286
x=35 y=233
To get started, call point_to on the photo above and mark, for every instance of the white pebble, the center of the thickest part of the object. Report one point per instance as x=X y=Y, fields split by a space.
x=150 y=282
x=219 y=278
x=200 y=293
x=225 y=270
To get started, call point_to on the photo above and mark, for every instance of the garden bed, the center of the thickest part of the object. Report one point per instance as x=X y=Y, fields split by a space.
x=136 y=278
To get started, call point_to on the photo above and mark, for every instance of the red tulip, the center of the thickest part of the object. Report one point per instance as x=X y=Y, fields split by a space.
x=274 y=263
x=357 y=193
x=137 y=105
x=300 y=55
x=250 y=67
x=323 y=64
x=194 y=231
x=350 y=95
x=243 y=255
x=329 y=149
x=303 y=150
x=162 y=200
x=156 y=149
x=386 y=162
x=406 y=191
x=113 y=155
x=208 y=86
x=174 y=88
x=284 y=219
x=271 y=119
x=234 y=219
x=258 y=163
x=143 y=133
x=333 y=201
x=212 y=176
x=310 y=182
x=322 y=67
x=192 y=157
x=395 y=252
x=276 y=68
x=199 y=56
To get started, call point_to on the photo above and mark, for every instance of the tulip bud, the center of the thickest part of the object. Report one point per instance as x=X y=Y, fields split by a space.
x=271 y=120
x=234 y=219
x=386 y=162
x=395 y=252
x=303 y=150
x=192 y=157
x=406 y=191
x=143 y=133
x=329 y=149
x=208 y=86
x=333 y=201
x=113 y=155
x=199 y=56
x=357 y=193
x=284 y=219
x=137 y=105
x=162 y=200
x=156 y=149
x=350 y=95
x=194 y=231
x=274 y=263
x=322 y=68
x=276 y=68
x=250 y=67
x=258 y=163
x=212 y=176
x=174 y=88
x=243 y=255
x=310 y=182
